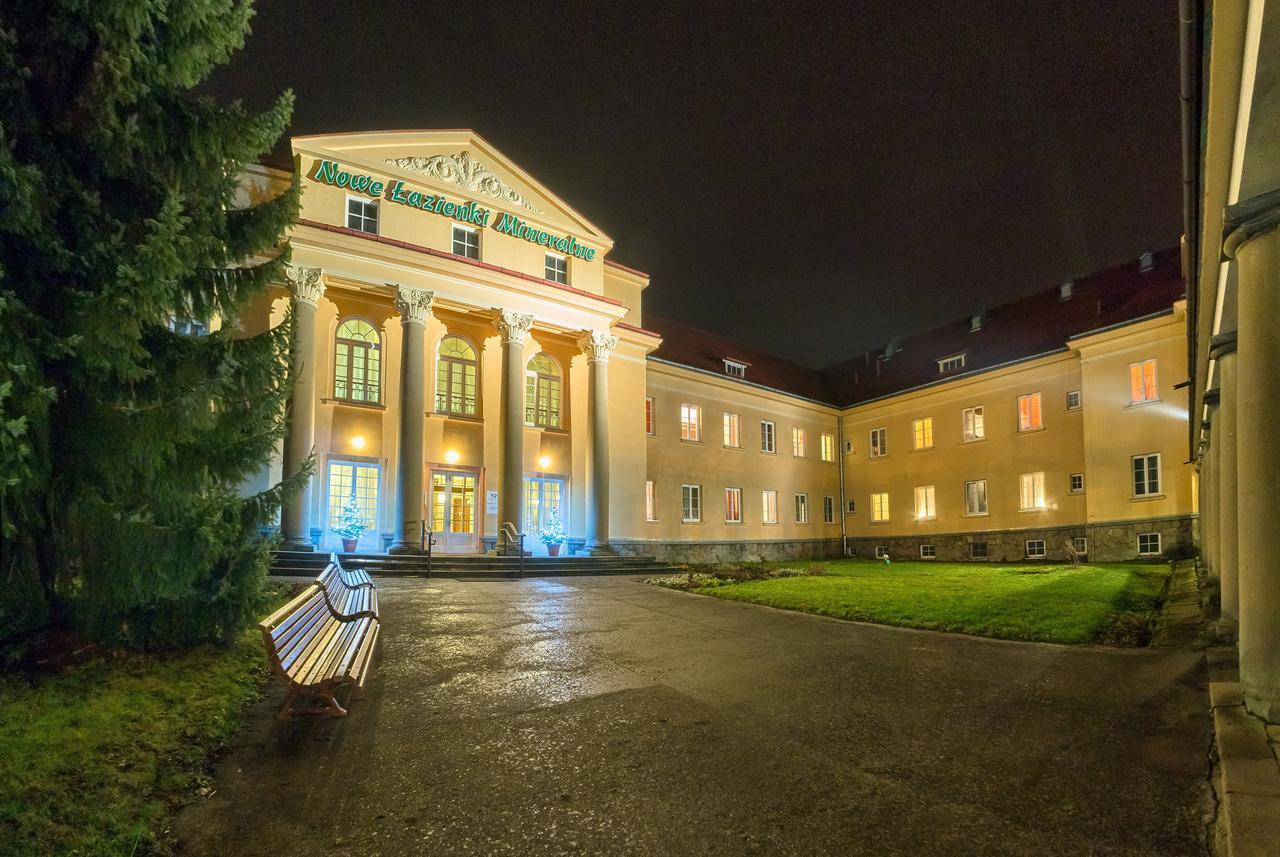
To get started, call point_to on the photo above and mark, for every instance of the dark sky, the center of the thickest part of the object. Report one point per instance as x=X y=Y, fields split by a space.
x=808 y=178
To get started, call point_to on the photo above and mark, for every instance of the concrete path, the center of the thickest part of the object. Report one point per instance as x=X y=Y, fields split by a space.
x=603 y=716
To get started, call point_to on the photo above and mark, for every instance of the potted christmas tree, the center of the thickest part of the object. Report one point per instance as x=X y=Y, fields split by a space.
x=350 y=525
x=552 y=534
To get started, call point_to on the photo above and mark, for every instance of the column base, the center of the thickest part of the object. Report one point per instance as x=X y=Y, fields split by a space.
x=601 y=549
x=1266 y=707
x=297 y=545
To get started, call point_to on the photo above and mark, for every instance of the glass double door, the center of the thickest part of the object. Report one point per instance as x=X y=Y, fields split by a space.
x=543 y=505
x=453 y=511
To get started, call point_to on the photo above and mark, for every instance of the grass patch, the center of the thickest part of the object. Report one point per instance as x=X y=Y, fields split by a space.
x=1107 y=602
x=95 y=758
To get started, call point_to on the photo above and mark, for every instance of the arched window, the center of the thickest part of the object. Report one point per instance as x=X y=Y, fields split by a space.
x=456 y=377
x=542 y=392
x=357 y=362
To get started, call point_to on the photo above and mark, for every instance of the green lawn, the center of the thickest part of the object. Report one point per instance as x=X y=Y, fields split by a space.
x=1111 y=602
x=93 y=759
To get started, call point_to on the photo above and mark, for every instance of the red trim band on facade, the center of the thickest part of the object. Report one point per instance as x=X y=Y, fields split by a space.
x=431 y=251
x=634 y=329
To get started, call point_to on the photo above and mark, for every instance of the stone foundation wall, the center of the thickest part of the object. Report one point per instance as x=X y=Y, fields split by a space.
x=743 y=551
x=1107 y=542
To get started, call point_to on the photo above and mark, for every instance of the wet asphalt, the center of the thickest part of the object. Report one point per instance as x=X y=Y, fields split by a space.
x=604 y=716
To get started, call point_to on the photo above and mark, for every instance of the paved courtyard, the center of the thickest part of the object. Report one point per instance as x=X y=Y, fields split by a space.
x=603 y=716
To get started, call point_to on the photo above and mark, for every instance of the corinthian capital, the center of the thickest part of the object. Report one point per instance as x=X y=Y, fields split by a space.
x=414 y=304
x=514 y=326
x=307 y=284
x=597 y=346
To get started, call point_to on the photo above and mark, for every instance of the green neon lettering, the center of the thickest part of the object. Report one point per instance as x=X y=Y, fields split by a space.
x=395 y=193
x=375 y=189
x=447 y=209
x=415 y=199
x=324 y=171
x=591 y=254
x=360 y=183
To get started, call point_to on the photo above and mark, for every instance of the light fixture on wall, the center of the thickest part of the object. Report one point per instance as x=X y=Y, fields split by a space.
x=544 y=461
x=452 y=456
x=357 y=442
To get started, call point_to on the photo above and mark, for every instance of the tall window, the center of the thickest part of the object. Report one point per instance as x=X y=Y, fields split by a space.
x=768 y=441
x=769 y=507
x=466 y=242
x=1142 y=382
x=798 y=439
x=880 y=506
x=650 y=502
x=690 y=503
x=828 y=447
x=1031 y=492
x=557 y=268
x=975 y=423
x=650 y=426
x=357 y=367
x=828 y=510
x=922 y=433
x=349 y=479
x=542 y=392
x=732 y=430
x=362 y=214
x=733 y=505
x=926 y=507
x=802 y=508
x=877 y=443
x=1146 y=474
x=456 y=377
x=975 y=497
x=690 y=422
x=1030 y=417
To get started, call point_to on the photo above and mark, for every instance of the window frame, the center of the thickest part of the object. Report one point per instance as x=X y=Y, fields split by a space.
x=1159 y=544
x=947 y=365
x=1148 y=493
x=1038 y=500
x=768 y=506
x=882 y=551
x=559 y=273
x=879 y=507
x=691 y=502
x=985 y=497
x=929 y=494
x=986 y=551
x=973 y=424
x=1071 y=483
x=1081 y=545
x=1150 y=388
x=799 y=442
x=1079 y=400
x=467 y=231
x=802 y=508
x=690 y=423
x=771 y=448
x=877 y=448
x=449 y=362
x=932 y=552
x=1044 y=549
x=351 y=344
x=1032 y=425
x=730 y=504
x=828 y=509
x=922 y=434
x=650 y=501
x=650 y=417
x=552 y=382
x=365 y=203
x=732 y=430
x=827 y=445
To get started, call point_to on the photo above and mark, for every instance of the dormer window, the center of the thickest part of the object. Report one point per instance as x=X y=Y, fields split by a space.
x=734 y=368
x=950 y=364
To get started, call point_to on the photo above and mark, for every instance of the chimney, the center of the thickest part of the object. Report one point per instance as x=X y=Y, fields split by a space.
x=975 y=321
x=1146 y=261
x=1064 y=290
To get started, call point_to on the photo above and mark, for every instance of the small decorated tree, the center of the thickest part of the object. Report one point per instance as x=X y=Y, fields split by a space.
x=351 y=524
x=552 y=533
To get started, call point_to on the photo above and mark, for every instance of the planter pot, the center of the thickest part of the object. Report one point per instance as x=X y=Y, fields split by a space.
x=349 y=545
x=553 y=550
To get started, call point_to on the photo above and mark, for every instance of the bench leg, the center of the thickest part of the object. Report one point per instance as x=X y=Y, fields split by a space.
x=330 y=707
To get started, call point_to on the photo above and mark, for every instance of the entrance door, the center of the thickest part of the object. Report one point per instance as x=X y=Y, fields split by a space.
x=353 y=496
x=543 y=501
x=453 y=511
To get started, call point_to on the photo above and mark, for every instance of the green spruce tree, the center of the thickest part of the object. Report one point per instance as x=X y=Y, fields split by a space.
x=124 y=443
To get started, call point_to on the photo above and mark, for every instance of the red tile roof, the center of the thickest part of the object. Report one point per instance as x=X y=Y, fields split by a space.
x=1036 y=324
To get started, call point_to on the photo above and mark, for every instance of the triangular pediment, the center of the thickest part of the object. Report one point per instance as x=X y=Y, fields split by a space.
x=458 y=163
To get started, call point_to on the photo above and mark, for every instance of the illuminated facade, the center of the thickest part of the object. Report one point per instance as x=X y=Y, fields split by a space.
x=468 y=355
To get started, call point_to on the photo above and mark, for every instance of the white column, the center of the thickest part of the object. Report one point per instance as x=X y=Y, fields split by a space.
x=415 y=308
x=1224 y=431
x=307 y=286
x=514 y=328
x=598 y=347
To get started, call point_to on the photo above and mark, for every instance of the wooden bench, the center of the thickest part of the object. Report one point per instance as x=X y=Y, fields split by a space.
x=346 y=601
x=351 y=577
x=316 y=653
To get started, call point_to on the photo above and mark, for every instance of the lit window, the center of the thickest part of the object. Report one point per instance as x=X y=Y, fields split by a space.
x=802 y=508
x=542 y=392
x=1073 y=400
x=362 y=214
x=733 y=505
x=349 y=480
x=1142 y=382
x=732 y=430
x=769 y=507
x=880 y=506
x=556 y=268
x=357 y=364
x=1031 y=495
x=798 y=437
x=649 y=424
x=876 y=443
x=1077 y=483
x=882 y=552
x=767 y=437
x=691 y=422
x=828 y=510
x=1148 y=544
x=922 y=433
x=926 y=509
x=1146 y=474
x=928 y=552
x=951 y=364
x=456 y=377
x=1035 y=548
x=1081 y=545
x=828 y=447
x=650 y=502
x=1029 y=415
x=466 y=242
x=977 y=550
x=975 y=425
x=735 y=368
x=690 y=503
x=975 y=497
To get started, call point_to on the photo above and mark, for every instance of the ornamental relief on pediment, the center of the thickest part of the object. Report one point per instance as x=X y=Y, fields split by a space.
x=465 y=172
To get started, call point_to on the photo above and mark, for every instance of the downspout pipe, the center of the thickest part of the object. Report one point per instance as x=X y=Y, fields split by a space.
x=844 y=519
x=1190 y=22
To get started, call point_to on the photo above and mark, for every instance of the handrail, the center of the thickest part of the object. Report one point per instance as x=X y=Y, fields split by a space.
x=514 y=536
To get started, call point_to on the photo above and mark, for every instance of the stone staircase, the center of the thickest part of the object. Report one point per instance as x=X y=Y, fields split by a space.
x=311 y=563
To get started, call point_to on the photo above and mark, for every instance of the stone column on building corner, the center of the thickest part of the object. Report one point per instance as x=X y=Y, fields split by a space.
x=307 y=288
x=598 y=347
x=1223 y=351
x=1252 y=230
x=514 y=329
x=1209 y=521
x=415 y=308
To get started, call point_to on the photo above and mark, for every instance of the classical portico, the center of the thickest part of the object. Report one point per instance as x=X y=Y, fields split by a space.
x=306 y=286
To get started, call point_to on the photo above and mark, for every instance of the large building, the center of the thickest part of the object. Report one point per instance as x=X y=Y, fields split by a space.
x=469 y=356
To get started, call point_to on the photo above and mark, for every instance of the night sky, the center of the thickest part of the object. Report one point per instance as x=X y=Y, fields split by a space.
x=810 y=179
